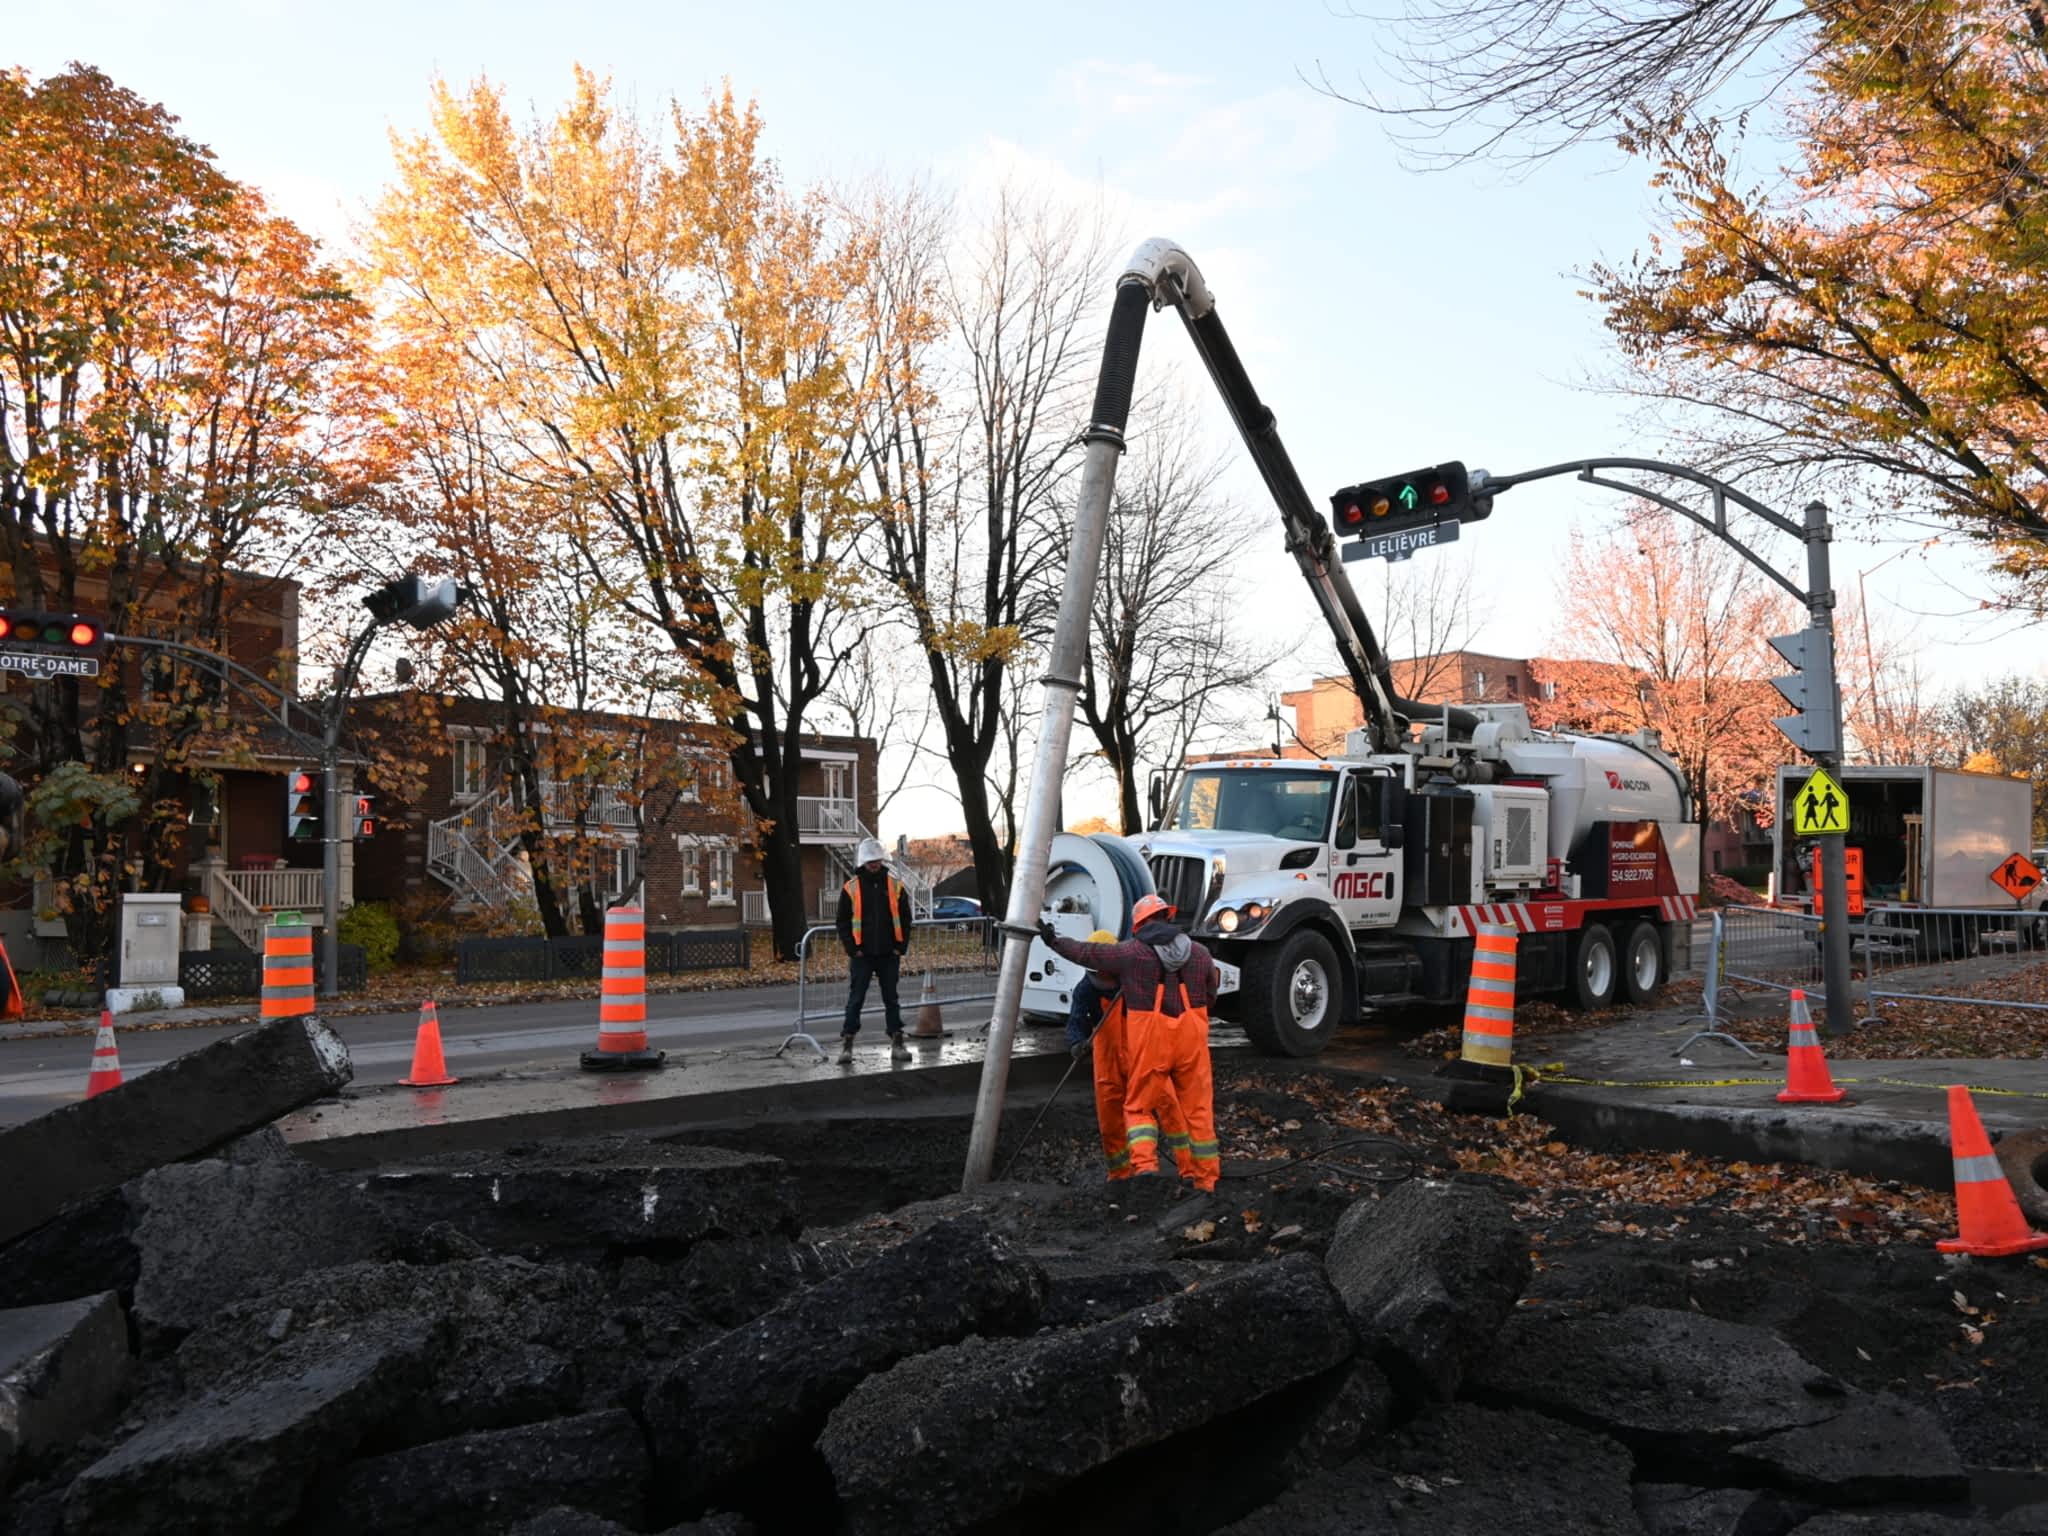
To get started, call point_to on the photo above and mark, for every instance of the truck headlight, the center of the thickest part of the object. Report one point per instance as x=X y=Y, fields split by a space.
x=1234 y=921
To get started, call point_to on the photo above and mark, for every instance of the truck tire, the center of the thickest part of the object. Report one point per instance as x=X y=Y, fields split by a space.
x=1642 y=963
x=1594 y=969
x=1292 y=993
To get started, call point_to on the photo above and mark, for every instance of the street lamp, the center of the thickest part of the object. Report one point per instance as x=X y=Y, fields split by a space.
x=409 y=600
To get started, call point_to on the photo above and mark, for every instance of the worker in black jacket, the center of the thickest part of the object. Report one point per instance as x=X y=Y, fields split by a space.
x=874 y=929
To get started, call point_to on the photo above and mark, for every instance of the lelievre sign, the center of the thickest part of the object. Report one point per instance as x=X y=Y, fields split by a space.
x=49 y=664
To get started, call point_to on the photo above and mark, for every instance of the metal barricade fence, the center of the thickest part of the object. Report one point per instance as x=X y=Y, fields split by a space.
x=1897 y=954
x=960 y=954
x=1949 y=955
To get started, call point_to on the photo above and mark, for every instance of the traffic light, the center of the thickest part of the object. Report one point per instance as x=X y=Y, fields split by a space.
x=51 y=644
x=1810 y=690
x=417 y=601
x=1439 y=495
x=303 y=820
x=366 y=820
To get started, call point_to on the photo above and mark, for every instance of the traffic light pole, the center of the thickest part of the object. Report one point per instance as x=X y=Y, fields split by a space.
x=1840 y=1016
x=330 y=799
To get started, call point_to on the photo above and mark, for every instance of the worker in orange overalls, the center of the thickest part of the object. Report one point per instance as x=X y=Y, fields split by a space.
x=1166 y=984
x=1095 y=1023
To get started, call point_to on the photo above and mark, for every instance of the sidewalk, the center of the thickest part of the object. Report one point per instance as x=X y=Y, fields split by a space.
x=1625 y=1086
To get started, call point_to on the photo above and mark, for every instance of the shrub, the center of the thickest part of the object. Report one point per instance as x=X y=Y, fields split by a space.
x=370 y=925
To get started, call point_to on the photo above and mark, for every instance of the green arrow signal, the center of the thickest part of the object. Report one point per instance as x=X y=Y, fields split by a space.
x=1407 y=497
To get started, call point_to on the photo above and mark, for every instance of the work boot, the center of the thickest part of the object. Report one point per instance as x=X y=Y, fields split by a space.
x=846 y=1050
x=898 y=1051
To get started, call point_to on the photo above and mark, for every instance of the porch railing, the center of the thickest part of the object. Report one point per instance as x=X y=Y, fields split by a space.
x=600 y=805
x=822 y=816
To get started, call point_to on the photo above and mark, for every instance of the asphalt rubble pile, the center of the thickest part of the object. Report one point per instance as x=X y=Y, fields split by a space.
x=800 y=1327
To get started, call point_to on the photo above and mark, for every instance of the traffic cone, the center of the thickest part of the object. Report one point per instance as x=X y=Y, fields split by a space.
x=106 y=1061
x=1806 y=1065
x=1489 y=1035
x=429 y=1070
x=1987 y=1214
x=622 y=998
x=928 y=1026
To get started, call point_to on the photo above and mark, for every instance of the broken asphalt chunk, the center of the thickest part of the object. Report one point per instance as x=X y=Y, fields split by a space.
x=1429 y=1273
x=968 y=1433
x=180 y=1109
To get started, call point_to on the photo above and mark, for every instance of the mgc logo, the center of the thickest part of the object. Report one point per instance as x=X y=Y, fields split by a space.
x=1364 y=885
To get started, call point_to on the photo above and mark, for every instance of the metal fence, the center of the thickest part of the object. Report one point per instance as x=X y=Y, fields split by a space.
x=960 y=954
x=218 y=973
x=1948 y=955
x=576 y=956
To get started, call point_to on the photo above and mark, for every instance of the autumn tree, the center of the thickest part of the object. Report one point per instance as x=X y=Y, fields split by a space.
x=1875 y=314
x=1665 y=630
x=2003 y=725
x=169 y=360
x=669 y=328
x=1170 y=652
x=982 y=360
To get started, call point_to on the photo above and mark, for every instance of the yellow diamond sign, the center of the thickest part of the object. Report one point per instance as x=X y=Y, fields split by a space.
x=1821 y=807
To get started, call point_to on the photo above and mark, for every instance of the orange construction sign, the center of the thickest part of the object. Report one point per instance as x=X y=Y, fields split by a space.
x=2018 y=876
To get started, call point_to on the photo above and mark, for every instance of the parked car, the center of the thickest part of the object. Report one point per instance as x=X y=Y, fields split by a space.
x=958 y=910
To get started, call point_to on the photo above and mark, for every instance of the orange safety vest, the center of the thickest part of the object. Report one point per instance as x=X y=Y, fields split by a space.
x=852 y=889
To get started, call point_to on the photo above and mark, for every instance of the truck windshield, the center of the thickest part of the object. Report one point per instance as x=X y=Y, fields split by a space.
x=1289 y=805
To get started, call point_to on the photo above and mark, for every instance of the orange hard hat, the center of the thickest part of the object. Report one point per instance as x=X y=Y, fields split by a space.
x=1149 y=907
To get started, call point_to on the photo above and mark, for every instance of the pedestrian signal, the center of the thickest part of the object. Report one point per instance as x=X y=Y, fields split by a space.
x=366 y=822
x=303 y=820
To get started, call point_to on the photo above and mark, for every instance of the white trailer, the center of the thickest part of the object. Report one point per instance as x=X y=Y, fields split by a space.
x=1930 y=837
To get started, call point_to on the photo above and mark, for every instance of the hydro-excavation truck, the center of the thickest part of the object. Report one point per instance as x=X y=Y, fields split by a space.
x=1360 y=881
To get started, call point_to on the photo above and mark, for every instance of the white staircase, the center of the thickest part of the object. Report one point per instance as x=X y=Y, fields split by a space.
x=475 y=852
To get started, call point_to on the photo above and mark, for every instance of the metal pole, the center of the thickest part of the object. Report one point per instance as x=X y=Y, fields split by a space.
x=1034 y=847
x=330 y=856
x=1840 y=1015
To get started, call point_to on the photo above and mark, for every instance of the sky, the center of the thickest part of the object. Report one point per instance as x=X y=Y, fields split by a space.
x=1391 y=317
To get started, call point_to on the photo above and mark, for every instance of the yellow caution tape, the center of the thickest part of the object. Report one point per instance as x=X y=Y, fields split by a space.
x=1554 y=1073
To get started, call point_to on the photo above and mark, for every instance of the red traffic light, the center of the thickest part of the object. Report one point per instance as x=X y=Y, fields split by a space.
x=302 y=783
x=83 y=633
x=1439 y=493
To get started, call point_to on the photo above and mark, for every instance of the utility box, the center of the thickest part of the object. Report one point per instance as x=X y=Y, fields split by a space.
x=151 y=931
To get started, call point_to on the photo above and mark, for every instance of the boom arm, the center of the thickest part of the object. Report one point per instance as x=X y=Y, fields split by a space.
x=1170 y=277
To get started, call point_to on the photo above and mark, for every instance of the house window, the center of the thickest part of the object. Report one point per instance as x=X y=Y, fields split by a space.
x=1548 y=690
x=1514 y=686
x=1479 y=685
x=618 y=872
x=721 y=877
x=693 y=868
x=469 y=768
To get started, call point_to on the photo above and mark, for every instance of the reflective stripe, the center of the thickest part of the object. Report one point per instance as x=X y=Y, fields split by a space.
x=633 y=950
x=1138 y=1133
x=1492 y=970
x=1178 y=1140
x=1206 y=1148
x=1981 y=1169
x=1485 y=1011
x=630 y=1006
x=1802 y=1034
x=1121 y=1159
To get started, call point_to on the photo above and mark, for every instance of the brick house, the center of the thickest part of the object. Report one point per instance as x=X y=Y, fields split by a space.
x=679 y=842
x=234 y=856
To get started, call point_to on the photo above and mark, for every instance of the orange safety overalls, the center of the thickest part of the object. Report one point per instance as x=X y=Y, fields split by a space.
x=1168 y=1085
x=1110 y=1081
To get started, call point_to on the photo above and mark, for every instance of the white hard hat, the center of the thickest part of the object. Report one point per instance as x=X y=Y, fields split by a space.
x=869 y=852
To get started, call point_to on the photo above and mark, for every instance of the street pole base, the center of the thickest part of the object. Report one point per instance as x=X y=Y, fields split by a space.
x=624 y=1061
x=1475 y=1088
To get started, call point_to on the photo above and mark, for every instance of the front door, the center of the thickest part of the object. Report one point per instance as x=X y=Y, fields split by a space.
x=1365 y=876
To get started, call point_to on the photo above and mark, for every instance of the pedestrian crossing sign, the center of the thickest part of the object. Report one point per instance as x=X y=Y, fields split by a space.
x=1821 y=807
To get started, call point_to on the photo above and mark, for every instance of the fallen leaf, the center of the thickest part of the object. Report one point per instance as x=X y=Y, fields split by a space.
x=1200 y=1232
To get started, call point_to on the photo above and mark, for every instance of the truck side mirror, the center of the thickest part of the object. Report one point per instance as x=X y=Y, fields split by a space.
x=1156 y=794
x=1393 y=810
x=1394 y=836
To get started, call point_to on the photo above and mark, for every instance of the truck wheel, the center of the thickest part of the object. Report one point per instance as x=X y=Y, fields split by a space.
x=1292 y=994
x=1594 y=971
x=2024 y=1157
x=1642 y=964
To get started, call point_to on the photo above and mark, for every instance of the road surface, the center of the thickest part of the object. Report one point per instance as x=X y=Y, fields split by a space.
x=39 y=1074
